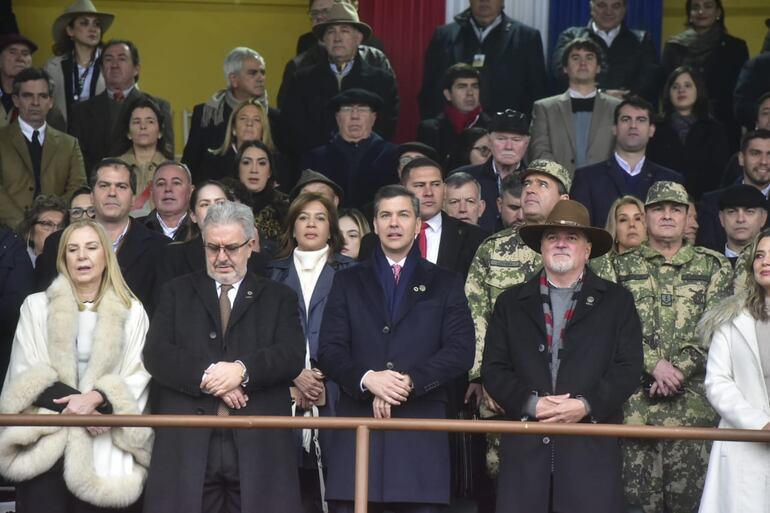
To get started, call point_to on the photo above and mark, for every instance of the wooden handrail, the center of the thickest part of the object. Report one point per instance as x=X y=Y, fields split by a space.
x=364 y=426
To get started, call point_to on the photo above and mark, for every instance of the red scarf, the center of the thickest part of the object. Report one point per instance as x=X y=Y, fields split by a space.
x=461 y=120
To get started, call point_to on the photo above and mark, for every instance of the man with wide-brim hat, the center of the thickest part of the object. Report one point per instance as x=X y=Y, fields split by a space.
x=673 y=283
x=15 y=55
x=509 y=134
x=306 y=93
x=563 y=347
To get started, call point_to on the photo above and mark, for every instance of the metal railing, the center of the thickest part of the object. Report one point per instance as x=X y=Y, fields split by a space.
x=363 y=426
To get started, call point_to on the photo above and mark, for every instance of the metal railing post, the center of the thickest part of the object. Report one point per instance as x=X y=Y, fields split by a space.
x=362 y=469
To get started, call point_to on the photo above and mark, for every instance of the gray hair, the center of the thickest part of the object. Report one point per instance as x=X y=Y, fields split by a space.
x=395 y=191
x=175 y=163
x=229 y=212
x=234 y=60
x=457 y=180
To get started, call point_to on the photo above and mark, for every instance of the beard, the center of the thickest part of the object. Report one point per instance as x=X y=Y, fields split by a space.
x=562 y=265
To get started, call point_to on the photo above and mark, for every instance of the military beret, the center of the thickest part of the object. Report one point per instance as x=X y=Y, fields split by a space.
x=511 y=121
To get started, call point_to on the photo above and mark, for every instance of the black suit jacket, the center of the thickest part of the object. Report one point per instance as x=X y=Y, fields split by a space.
x=513 y=75
x=597 y=186
x=138 y=257
x=94 y=125
x=185 y=336
x=457 y=246
x=182 y=233
x=601 y=360
x=438 y=133
x=711 y=234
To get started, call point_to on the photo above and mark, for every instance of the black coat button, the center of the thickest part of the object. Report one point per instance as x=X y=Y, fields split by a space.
x=541 y=348
x=386 y=329
x=546 y=440
x=212 y=335
x=389 y=365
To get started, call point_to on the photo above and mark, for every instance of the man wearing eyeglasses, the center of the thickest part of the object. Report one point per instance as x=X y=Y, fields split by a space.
x=35 y=158
x=356 y=158
x=136 y=247
x=307 y=93
x=509 y=132
x=462 y=92
x=224 y=342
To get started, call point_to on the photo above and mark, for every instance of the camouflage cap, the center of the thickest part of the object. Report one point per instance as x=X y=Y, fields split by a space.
x=551 y=168
x=666 y=191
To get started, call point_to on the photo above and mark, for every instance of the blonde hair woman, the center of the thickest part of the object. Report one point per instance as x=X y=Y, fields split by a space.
x=626 y=224
x=77 y=351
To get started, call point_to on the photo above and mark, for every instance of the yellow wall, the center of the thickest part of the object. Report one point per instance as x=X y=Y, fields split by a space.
x=182 y=43
x=745 y=19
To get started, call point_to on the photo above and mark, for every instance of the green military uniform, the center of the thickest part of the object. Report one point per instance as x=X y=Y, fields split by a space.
x=743 y=263
x=502 y=261
x=670 y=297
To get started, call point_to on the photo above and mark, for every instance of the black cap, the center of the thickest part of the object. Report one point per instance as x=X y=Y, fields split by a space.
x=742 y=195
x=511 y=121
x=416 y=147
x=7 y=40
x=310 y=176
x=356 y=96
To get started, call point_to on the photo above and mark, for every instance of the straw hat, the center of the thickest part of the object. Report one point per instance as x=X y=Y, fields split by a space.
x=79 y=8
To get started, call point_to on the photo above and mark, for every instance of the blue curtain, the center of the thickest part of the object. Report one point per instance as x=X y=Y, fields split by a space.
x=640 y=14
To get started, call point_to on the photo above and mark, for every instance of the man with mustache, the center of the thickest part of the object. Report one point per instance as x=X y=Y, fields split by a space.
x=673 y=284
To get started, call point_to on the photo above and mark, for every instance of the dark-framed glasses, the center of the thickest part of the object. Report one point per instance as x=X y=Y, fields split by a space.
x=49 y=226
x=484 y=151
x=78 y=213
x=229 y=249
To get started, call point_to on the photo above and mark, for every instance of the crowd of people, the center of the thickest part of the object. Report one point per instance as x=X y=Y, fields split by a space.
x=601 y=255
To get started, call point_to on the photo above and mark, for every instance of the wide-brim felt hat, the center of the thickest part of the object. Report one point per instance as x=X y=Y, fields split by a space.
x=568 y=214
x=356 y=96
x=7 y=40
x=342 y=13
x=311 y=176
x=79 y=8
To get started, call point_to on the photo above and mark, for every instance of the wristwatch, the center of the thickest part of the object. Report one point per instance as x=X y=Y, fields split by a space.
x=244 y=373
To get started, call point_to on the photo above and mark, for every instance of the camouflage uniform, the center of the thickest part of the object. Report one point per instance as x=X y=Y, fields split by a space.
x=671 y=297
x=502 y=261
x=743 y=263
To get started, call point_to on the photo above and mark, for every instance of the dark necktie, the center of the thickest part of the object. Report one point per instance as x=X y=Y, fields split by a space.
x=118 y=96
x=36 y=155
x=224 y=314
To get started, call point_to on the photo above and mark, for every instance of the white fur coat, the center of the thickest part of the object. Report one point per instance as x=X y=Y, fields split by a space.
x=108 y=470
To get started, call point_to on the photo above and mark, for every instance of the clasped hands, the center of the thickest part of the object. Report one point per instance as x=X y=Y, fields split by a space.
x=310 y=383
x=84 y=404
x=668 y=379
x=390 y=388
x=223 y=380
x=560 y=409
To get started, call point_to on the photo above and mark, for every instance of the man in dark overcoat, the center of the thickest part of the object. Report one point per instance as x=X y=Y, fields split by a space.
x=396 y=331
x=563 y=347
x=224 y=342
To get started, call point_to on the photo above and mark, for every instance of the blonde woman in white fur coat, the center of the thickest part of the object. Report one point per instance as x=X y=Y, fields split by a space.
x=77 y=350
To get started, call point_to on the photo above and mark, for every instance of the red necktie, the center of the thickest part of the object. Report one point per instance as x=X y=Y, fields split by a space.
x=422 y=241
x=396 y=272
x=118 y=96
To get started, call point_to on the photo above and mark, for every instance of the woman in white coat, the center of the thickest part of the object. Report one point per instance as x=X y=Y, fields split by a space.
x=737 y=383
x=77 y=351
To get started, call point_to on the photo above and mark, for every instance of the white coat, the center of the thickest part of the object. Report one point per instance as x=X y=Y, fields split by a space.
x=738 y=477
x=108 y=470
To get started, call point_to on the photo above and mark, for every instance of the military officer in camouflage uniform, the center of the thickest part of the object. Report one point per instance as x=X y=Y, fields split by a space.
x=673 y=283
x=502 y=261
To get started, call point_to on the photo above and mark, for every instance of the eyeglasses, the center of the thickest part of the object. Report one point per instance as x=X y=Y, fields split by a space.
x=318 y=13
x=49 y=226
x=77 y=212
x=229 y=249
x=484 y=151
x=360 y=109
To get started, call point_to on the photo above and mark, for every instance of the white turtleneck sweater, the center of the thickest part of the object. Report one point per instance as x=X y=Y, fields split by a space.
x=309 y=265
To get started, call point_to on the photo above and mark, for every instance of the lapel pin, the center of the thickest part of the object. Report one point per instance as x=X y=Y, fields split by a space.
x=422 y=288
x=590 y=300
x=249 y=293
x=416 y=288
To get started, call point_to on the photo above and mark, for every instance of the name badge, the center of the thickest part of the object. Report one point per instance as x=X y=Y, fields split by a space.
x=478 y=60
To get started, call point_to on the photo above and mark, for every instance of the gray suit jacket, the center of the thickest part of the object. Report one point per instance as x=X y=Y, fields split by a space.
x=553 y=131
x=61 y=170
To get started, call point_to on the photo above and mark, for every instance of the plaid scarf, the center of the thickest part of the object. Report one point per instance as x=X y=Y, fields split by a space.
x=545 y=295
